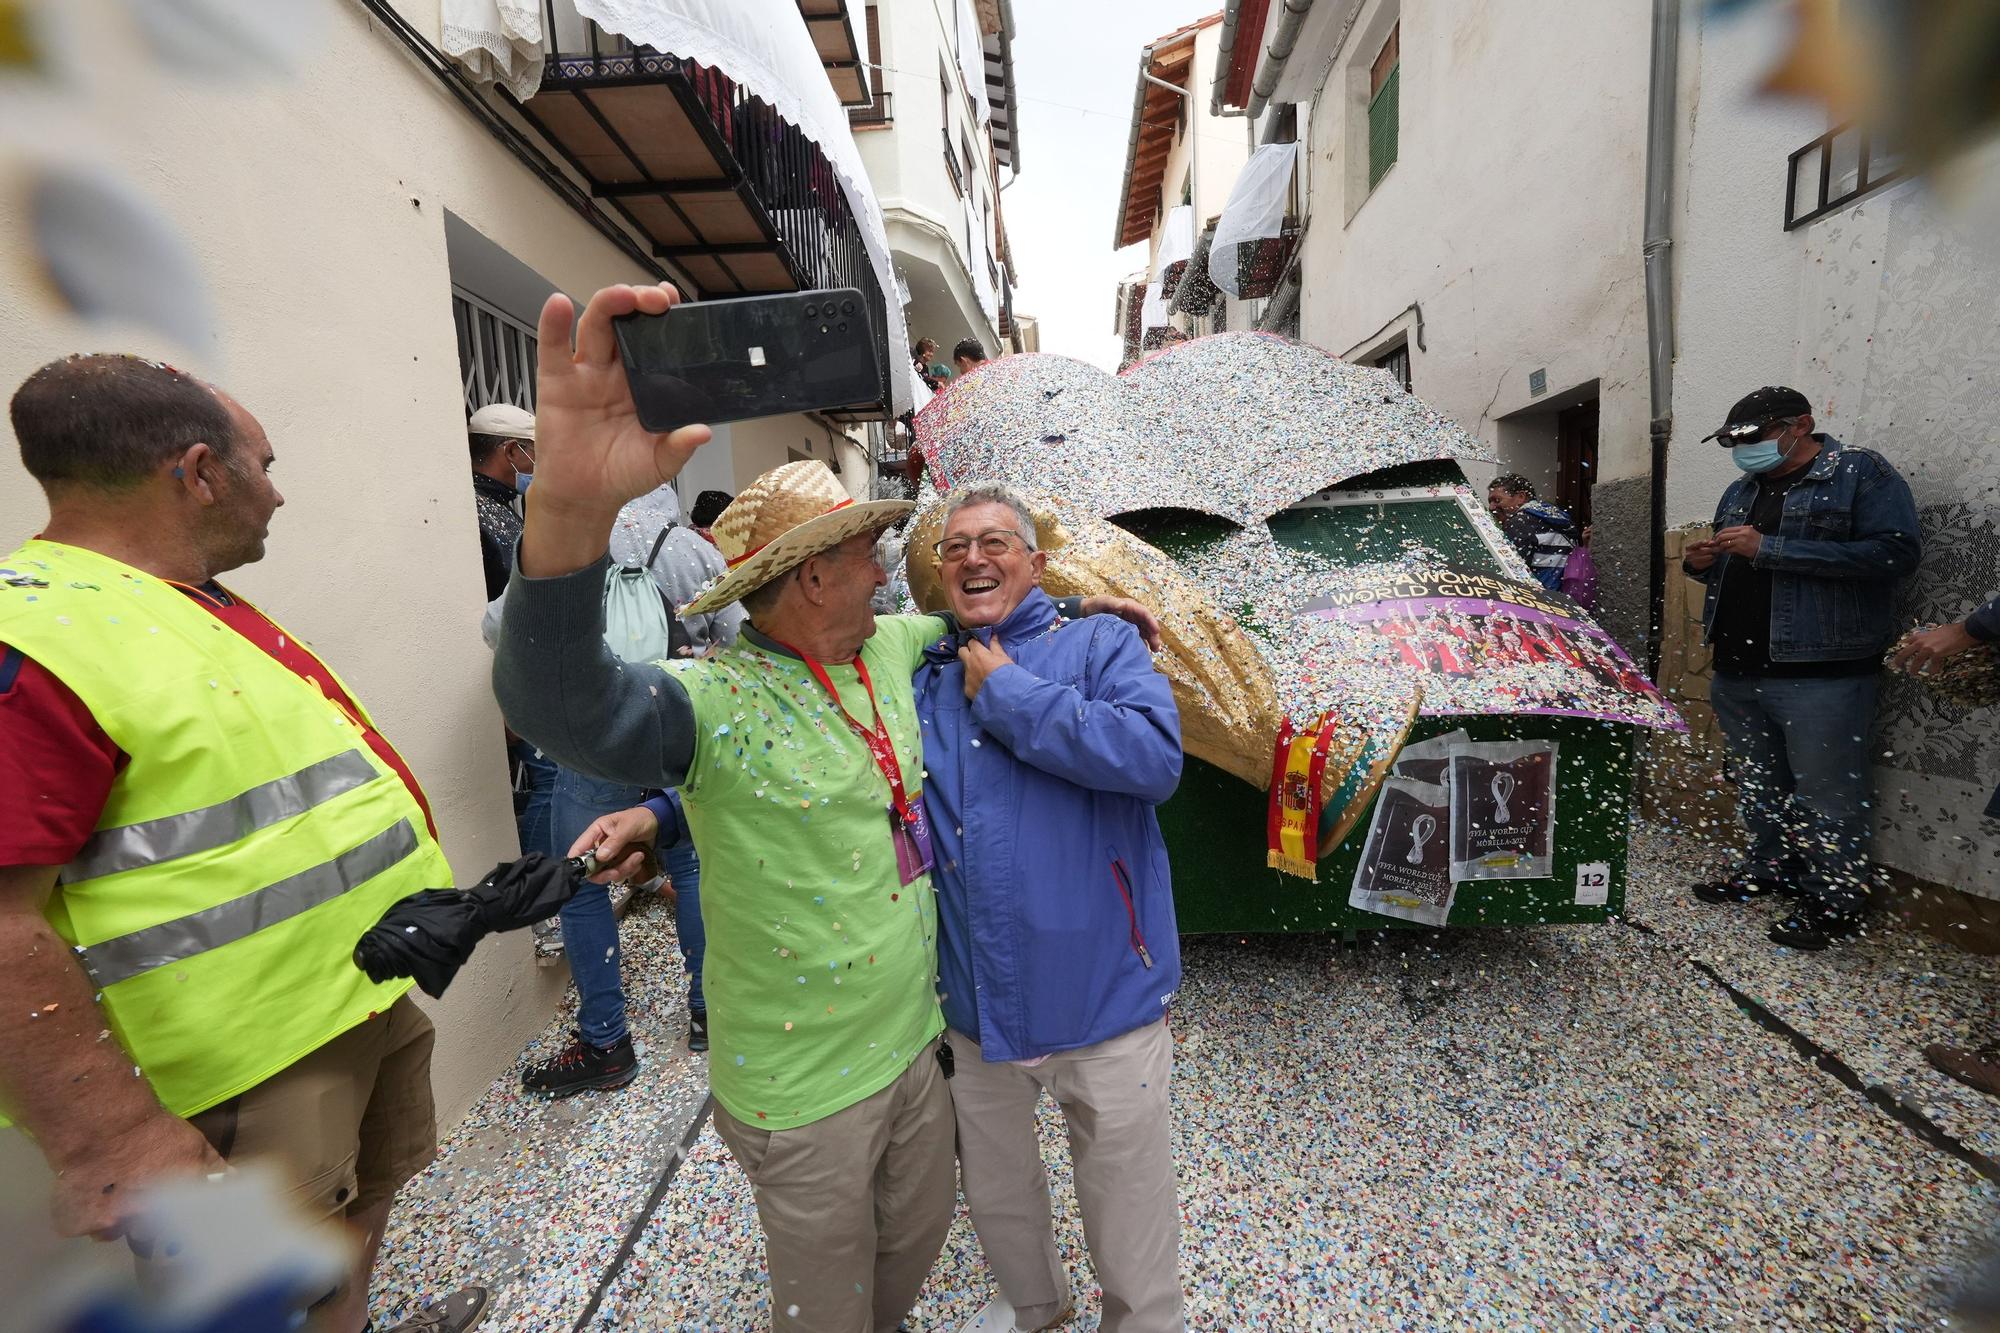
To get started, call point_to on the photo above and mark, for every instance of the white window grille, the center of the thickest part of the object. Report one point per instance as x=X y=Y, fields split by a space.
x=496 y=354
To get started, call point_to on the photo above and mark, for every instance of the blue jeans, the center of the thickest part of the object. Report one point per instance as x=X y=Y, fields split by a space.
x=534 y=785
x=590 y=930
x=684 y=869
x=1799 y=750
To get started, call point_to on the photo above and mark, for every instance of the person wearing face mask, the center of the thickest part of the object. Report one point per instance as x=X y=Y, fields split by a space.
x=503 y=463
x=1809 y=544
x=502 y=437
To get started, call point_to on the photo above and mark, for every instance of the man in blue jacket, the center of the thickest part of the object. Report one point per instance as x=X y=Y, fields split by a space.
x=1047 y=743
x=1800 y=578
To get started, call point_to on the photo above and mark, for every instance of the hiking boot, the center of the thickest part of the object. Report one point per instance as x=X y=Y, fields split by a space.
x=463 y=1309
x=582 y=1067
x=697 y=1030
x=1811 y=929
x=1974 y=1067
x=1743 y=888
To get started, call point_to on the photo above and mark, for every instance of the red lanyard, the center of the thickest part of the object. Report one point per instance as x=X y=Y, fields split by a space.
x=875 y=738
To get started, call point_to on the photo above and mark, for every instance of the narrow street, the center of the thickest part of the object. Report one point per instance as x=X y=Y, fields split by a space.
x=1565 y=1127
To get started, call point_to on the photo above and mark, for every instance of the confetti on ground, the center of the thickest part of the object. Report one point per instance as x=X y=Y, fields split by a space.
x=1551 y=1127
x=1875 y=1001
x=533 y=1197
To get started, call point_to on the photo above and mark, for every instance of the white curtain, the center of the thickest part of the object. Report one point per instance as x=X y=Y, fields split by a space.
x=498 y=41
x=1176 y=240
x=1255 y=211
x=764 y=46
x=972 y=60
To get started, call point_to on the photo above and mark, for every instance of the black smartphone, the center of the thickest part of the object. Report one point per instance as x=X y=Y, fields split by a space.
x=750 y=356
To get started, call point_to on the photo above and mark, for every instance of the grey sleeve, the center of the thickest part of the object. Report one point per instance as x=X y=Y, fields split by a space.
x=563 y=689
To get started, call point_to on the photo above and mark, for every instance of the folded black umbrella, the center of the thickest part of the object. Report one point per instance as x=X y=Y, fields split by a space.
x=429 y=935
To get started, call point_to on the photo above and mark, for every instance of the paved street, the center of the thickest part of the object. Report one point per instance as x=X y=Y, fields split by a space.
x=1566 y=1127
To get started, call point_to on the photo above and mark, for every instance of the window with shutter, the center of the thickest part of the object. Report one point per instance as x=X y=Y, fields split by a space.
x=1383 y=81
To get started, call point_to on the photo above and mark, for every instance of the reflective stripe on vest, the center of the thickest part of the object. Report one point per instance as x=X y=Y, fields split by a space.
x=156 y=840
x=127 y=956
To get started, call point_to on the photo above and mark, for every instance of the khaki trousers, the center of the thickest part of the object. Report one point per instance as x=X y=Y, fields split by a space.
x=854 y=1206
x=1114 y=1097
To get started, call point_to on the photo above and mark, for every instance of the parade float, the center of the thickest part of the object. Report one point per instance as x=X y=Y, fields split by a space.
x=1386 y=720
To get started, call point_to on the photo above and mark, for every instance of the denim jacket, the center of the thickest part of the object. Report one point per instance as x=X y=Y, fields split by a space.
x=1848 y=532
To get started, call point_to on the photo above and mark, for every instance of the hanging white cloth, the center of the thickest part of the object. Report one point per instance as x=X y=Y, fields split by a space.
x=972 y=60
x=1255 y=211
x=1153 y=311
x=498 y=41
x=1176 y=240
x=765 y=47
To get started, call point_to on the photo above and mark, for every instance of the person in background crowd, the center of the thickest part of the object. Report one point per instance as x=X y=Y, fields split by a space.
x=503 y=461
x=707 y=507
x=648 y=534
x=970 y=354
x=924 y=357
x=1975 y=1066
x=1801 y=574
x=1057 y=952
x=1543 y=533
x=153 y=820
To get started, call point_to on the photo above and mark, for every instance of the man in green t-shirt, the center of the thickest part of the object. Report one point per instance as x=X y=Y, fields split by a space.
x=797 y=754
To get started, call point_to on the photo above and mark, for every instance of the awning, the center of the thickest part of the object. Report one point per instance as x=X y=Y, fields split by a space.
x=841 y=38
x=1176 y=246
x=1254 y=216
x=1195 y=294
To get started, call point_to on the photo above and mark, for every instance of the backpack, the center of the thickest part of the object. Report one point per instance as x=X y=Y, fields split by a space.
x=639 y=624
x=1579 y=577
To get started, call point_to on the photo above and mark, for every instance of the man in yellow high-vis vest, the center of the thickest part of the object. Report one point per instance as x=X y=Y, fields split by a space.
x=201 y=821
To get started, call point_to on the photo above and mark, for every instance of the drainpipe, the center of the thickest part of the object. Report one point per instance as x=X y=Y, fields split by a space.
x=1660 y=117
x=1272 y=64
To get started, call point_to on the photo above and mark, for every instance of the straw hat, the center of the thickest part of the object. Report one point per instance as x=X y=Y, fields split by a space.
x=784 y=516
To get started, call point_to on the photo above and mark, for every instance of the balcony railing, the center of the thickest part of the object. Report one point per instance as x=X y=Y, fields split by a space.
x=1834 y=170
x=952 y=166
x=866 y=117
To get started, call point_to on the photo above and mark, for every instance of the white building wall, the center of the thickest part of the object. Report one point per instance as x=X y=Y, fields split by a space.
x=316 y=211
x=1511 y=220
x=1212 y=148
x=1882 y=314
x=905 y=163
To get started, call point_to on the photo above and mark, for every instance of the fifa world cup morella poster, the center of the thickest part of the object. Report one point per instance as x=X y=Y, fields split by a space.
x=1484 y=644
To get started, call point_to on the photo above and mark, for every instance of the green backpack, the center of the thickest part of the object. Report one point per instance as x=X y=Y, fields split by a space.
x=639 y=625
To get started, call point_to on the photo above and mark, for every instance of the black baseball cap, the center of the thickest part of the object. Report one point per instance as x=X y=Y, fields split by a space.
x=1756 y=410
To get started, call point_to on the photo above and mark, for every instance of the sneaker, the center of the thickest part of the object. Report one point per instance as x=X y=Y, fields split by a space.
x=1742 y=888
x=1812 y=930
x=462 y=1310
x=1975 y=1068
x=582 y=1067
x=697 y=1030
x=548 y=942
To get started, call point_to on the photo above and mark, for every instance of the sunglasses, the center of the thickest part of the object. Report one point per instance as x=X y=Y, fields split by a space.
x=993 y=543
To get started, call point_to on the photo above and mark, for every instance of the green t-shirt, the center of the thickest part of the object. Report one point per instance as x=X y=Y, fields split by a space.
x=821 y=966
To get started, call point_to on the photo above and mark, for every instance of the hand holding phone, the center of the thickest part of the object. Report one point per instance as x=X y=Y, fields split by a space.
x=751 y=356
x=592 y=452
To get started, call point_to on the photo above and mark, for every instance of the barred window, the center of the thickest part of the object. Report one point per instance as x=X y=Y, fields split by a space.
x=496 y=354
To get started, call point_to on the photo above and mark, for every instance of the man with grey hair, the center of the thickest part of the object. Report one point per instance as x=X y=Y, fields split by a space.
x=1047 y=744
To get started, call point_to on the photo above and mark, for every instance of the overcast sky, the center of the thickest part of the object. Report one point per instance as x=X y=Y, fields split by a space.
x=1075 y=63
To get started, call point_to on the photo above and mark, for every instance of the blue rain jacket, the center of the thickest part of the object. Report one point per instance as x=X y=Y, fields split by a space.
x=1040 y=794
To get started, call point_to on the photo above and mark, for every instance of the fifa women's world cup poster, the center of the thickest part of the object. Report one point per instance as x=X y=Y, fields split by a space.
x=1482 y=644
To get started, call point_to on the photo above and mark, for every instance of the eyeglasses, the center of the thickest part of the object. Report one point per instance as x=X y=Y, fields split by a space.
x=993 y=543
